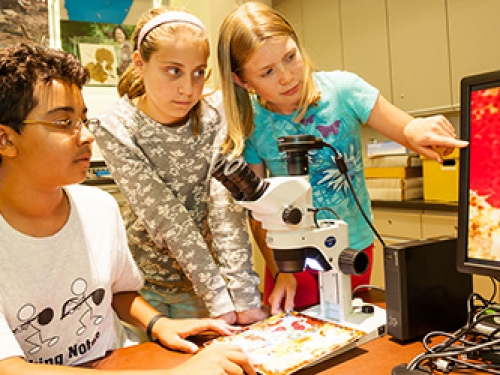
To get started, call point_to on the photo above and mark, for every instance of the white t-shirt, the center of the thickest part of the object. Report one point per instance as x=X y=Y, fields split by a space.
x=56 y=292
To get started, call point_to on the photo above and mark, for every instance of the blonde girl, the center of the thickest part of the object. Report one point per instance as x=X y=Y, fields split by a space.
x=270 y=90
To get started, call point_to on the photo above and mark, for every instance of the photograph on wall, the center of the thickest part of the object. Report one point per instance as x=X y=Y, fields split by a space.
x=75 y=33
x=100 y=61
x=26 y=20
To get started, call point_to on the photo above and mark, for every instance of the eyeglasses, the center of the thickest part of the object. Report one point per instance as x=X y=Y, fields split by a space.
x=69 y=125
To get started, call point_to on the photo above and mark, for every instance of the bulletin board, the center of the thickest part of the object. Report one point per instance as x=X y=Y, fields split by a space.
x=24 y=21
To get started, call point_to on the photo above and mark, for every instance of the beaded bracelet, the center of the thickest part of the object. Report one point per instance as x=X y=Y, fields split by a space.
x=149 y=329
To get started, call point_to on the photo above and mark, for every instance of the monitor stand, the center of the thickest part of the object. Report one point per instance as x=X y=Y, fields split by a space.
x=403 y=370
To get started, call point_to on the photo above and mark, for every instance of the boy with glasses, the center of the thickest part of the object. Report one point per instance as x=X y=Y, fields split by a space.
x=66 y=273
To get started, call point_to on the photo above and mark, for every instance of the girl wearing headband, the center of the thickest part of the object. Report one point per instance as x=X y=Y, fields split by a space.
x=271 y=90
x=160 y=141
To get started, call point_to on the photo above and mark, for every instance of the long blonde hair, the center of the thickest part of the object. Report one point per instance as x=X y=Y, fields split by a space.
x=242 y=33
x=132 y=84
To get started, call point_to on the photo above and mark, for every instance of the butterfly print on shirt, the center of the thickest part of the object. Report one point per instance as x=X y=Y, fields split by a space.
x=326 y=130
x=308 y=120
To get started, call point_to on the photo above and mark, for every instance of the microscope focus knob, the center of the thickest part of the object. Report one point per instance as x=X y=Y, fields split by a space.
x=292 y=215
x=353 y=262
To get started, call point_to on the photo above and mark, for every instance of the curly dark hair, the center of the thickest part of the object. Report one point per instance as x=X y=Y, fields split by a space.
x=24 y=66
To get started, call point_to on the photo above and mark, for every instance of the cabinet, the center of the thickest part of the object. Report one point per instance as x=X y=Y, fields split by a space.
x=474 y=39
x=418 y=48
x=323 y=44
x=365 y=43
x=405 y=225
x=415 y=52
x=325 y=52
x=380 y=43
x=393 y=226
x=439 y=224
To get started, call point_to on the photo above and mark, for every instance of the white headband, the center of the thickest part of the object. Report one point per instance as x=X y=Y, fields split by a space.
x=168 y=17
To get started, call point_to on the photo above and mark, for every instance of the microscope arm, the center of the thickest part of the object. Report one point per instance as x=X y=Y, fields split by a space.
x=297 y=242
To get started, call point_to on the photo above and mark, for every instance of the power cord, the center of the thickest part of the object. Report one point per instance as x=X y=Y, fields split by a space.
x=467 y=348
x=315 y=212
x=366 y=286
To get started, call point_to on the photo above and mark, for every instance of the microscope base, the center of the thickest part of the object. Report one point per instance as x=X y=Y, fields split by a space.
x=373 y=324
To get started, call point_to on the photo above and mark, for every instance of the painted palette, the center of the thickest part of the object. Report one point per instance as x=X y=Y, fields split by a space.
x=285 y=343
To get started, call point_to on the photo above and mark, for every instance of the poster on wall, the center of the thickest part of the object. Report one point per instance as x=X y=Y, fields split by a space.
x=26 y=20
x=101 y=44
x=109 y=11
x=100 y=61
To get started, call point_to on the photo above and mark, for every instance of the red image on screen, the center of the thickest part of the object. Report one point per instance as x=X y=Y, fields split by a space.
x=484 y=202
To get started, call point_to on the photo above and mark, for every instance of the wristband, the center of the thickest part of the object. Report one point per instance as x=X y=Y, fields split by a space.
x=149 y=329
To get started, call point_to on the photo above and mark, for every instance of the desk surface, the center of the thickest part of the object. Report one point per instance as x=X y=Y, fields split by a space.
x=377 y=357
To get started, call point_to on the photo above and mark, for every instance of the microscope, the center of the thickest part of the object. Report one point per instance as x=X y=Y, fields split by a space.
x=298 y=238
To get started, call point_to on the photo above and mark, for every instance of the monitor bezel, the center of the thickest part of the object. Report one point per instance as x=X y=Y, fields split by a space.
x=465 y=264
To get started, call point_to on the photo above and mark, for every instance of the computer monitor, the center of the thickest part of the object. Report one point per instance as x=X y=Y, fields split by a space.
x=479 y=201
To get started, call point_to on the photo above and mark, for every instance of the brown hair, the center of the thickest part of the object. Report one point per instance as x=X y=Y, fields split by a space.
x=24 y=66
x=130 y=83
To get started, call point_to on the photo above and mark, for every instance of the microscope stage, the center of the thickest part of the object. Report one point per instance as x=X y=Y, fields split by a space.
x=373 y=324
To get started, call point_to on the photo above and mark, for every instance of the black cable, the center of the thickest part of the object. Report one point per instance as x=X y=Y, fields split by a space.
x=339 y=160
x=447 y=355
x=471 y=365
x=495 y=288
x=315 y=212
x=330 y=210
x=366 y=286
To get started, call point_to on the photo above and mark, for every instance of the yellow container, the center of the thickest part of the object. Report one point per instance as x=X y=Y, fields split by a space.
x=441 y=180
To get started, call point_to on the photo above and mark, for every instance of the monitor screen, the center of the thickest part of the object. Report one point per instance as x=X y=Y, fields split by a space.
x=479 y=201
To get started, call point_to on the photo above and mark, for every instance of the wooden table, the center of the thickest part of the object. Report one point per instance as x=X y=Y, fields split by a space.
x=377 y=357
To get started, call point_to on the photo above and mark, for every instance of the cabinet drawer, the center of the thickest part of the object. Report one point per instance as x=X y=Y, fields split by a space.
x=397 y=224
x=436 y=225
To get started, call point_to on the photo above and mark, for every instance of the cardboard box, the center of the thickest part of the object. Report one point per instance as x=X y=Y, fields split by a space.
x=385 y=148
x=441 y=180
x=409 y=160
x=393 y=172
x=395 y=194
x=395 y=183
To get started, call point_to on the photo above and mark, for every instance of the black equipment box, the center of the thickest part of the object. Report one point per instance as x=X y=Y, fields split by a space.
x=424 y=290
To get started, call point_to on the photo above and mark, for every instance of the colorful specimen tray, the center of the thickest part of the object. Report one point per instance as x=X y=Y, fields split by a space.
x=285 y=343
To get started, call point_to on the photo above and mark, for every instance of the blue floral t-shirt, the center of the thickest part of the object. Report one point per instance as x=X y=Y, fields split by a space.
x=346 y=103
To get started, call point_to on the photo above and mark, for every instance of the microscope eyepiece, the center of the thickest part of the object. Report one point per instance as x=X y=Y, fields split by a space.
x=218 y=173
x=247 y=181
x=239 y=179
